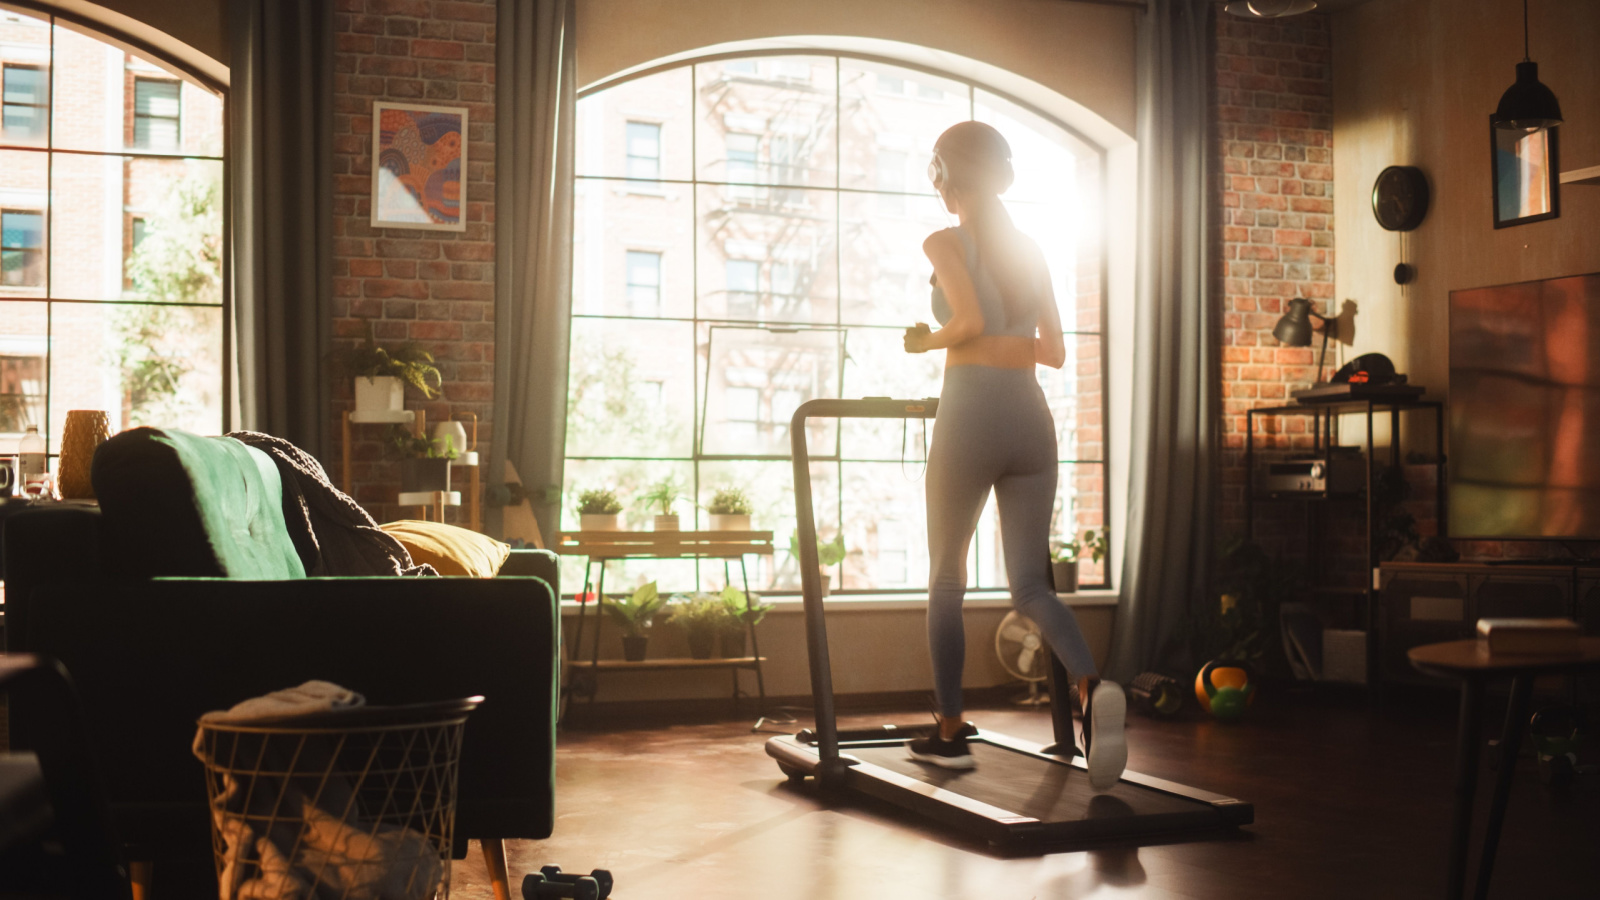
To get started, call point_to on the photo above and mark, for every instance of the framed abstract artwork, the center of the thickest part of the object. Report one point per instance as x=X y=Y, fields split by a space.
x=1523 y=163
x=419 y=157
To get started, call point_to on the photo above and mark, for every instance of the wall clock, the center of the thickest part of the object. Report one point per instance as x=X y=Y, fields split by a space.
x=1400 y=198
x=1400 y=201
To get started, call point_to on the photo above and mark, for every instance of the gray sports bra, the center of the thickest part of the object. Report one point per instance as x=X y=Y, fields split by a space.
x=989 y=302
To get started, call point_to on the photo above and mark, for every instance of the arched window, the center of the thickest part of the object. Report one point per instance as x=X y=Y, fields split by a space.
x=748 y=236
x=111 y=286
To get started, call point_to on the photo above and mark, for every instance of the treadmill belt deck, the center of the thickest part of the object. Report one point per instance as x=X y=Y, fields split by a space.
x=1030 y=786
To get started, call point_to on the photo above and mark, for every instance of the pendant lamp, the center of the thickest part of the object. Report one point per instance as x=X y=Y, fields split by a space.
x=1527 y=105
x=1269 y=9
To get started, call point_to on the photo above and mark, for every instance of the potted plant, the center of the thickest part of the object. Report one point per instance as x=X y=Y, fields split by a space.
x=729 y=510
x=662 y=495
x=381 y=374
x=701 y=616
x=829 y=553
x=599 y=510
x=423 y=467
x=634 y=615
x=741 y=612
x=1064 y=564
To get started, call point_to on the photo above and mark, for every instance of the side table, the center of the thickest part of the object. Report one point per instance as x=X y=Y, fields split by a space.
x=1470 y=662
x=601 y=547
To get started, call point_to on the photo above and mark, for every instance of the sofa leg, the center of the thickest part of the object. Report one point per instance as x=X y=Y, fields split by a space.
x=494 y=859
x=139 y=877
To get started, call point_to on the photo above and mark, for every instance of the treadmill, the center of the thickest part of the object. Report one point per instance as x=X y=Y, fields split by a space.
x=1021 y=793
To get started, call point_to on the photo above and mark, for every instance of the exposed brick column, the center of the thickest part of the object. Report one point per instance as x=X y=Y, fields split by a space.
x=1274 y=121
x=436 y=288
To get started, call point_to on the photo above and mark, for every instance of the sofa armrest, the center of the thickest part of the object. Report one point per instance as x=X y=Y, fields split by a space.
x=536 y=563
x=150 y=657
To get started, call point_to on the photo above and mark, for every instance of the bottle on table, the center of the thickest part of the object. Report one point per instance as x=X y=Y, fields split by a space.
x=32 y=472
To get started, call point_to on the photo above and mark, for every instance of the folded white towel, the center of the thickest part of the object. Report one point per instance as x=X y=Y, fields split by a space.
x=308 y=698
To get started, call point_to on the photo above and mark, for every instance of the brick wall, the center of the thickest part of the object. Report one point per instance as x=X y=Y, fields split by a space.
x=432 y=287
x=1274 y=142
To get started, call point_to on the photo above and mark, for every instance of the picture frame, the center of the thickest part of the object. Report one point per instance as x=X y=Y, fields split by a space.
x=1524 y=175
x=419 y=161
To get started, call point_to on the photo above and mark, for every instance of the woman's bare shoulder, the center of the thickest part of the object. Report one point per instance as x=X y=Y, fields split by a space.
x=945 y=241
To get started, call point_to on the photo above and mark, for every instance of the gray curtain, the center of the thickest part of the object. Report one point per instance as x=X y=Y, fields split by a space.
x=1173 y=453
x=280 y=144
x=535 y=109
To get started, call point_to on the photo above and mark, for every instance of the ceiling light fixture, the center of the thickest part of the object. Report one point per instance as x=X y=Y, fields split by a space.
x=1527 y=105
x=1270 y=9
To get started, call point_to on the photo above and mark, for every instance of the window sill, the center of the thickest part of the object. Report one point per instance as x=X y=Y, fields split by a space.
x=878 y=602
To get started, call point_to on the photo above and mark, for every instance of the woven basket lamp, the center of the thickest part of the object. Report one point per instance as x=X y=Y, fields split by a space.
x=85 y=430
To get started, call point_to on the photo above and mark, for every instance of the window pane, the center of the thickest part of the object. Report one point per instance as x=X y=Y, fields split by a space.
x=631 y=388
x=1080 y=505
x=144 y=365
x=25 y=52
x=1074 y=395
x=789 y=233
x=879 y=366
x=776 y=126
x=758 y=378
x=114 y=101
x=770 y=487
x=614 y=217
x=885 y=526
x=605 y=120
x=892 y=115
x=95 y=199
x=885 y=271
x=24 y=362
x=23 y=201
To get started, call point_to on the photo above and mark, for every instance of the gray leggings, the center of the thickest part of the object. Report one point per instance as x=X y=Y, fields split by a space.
x=993 y=430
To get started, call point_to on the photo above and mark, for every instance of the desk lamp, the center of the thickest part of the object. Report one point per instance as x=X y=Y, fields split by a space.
x=1294 y=329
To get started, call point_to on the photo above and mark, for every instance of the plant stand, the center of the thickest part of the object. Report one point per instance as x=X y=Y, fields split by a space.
x=601 y=547
x=418 y=420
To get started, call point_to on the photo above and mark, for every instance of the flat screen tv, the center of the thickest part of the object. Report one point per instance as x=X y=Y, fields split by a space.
x=1525 y=410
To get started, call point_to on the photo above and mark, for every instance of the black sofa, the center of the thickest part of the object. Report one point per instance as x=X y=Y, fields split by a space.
x=149 y=655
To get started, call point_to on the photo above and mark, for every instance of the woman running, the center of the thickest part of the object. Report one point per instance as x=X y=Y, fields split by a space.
x=998 y=319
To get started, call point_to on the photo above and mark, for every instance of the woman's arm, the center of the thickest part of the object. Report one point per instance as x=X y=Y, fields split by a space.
x=1049 y=348
x=949 y=258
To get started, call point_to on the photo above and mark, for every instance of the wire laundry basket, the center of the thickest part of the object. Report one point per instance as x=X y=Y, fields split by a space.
x=356 y=803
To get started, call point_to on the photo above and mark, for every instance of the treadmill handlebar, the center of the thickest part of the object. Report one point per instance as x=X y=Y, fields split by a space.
x=827 y=730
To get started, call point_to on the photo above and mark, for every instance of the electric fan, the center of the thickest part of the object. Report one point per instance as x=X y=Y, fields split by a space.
x=1024 y=655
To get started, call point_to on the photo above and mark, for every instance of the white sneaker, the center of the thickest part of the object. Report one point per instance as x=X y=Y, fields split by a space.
x=1105 y=745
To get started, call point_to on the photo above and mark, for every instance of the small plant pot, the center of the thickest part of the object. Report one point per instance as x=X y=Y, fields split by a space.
x=733 y=644
x=380 y=395
x=600 y=521
x=1066 y=576
x=634 y=647
x=424 y=475
x=701 y=643
x=666 y=523
x=729 y=522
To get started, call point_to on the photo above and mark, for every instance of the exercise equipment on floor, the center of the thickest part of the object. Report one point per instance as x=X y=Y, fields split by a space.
x=550 y=881
x=1156 y=695
x=1224 y=689
x=1021 y=793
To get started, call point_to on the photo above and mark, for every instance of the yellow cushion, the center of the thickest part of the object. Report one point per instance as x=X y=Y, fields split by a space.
x=451 y=550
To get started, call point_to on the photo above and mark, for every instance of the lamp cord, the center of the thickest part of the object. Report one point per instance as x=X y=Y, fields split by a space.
x=1525 y=56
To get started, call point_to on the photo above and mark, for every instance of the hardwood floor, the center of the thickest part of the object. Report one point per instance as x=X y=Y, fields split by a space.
x=1350 y=802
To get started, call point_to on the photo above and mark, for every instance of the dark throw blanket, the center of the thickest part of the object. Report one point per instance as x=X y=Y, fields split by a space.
x=331 y=532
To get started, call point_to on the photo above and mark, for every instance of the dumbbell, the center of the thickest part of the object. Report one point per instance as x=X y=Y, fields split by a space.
x=550 y=881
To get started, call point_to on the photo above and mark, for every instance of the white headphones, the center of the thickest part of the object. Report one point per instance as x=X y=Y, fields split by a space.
x=939 y=172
